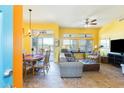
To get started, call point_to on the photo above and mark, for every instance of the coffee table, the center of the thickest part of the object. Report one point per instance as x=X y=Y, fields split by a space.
x=89 y=65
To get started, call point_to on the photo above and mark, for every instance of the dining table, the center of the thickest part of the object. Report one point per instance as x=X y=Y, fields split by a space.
x=33 y=58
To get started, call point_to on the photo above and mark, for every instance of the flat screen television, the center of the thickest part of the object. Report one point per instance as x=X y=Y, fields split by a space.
x=117 y=46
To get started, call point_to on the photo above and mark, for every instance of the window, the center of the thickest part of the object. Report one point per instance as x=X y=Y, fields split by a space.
x=83 y=45
x=39 y=43
x=66 y=42
x=106 y=46
x=78 y=41
x=78 y=35
x=88 y=35
x=86 y=45
x=74 y=44
x=70 y=44
x=45 y=42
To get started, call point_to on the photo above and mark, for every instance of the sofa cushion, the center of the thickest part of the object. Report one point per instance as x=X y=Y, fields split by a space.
x=70 y=59
x=68 y=54
x=79 y=55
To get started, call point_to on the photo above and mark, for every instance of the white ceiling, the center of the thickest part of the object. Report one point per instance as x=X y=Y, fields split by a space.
x=73 y=15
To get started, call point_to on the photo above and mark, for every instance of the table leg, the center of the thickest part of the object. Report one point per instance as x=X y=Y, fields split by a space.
x=33 y=68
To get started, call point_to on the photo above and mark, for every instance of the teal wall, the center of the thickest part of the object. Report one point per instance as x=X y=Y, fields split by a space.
x=1 y=62
x=6 y=44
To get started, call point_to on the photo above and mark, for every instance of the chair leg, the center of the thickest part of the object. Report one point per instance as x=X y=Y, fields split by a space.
x=24 y=73
x=33 y=72
x=49 y=65
x=44 y=71
x=47 y=68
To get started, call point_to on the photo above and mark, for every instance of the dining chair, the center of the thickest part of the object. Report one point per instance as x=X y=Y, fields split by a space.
x=46 y=61
x=42 y=51
x=43 y=64
x=26 y=67
x=40 y=66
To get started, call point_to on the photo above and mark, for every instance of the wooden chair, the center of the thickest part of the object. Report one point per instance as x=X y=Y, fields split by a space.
x=40 y=66
x=46 y=61
x=43 y=64
x=42 y=51
x=26 y=67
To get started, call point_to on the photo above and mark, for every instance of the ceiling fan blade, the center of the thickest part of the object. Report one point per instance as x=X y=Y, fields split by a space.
x=121 y=19
x=93 y=20
x=93 y=23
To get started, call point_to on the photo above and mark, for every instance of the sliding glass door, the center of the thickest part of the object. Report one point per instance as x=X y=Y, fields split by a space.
x=83 y=45
x=75 y=42
x=86 y=45
x=43 y=43
x=46 y=42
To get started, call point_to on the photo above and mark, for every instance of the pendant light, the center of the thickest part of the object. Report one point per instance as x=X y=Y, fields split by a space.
x=30 y=29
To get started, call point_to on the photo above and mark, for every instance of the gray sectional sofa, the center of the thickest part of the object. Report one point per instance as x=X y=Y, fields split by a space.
x=69 y=69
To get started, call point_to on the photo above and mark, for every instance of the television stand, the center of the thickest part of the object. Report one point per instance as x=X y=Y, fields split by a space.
x=115 y=59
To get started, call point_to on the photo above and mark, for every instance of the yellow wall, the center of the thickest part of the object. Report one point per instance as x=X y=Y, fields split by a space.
x=94 y=31
x=113 y=30
x=39 y=26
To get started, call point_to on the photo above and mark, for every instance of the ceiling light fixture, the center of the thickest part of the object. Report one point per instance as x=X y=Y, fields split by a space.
x=29 y=33
x=30 y=29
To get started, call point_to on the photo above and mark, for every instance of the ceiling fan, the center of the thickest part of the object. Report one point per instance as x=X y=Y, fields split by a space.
x=89 y=21
x=122 y=19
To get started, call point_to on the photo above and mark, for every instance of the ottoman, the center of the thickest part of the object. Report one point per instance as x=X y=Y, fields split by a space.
x=90 y=65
